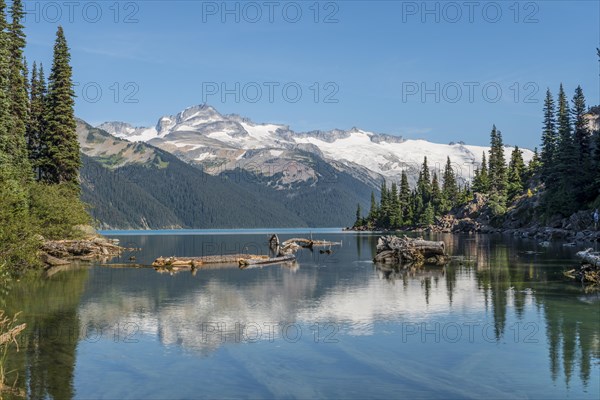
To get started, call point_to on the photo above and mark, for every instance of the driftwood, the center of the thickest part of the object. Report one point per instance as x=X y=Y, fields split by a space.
x=291 y=246
x=590 y=257
x=196 y=262
x=11 y=335
x=589 y=270
x=245 y=263
x=61 y=252
x=282 y=252
x=400 y=250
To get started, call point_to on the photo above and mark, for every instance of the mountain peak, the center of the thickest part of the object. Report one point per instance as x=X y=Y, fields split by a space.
x=201 y=135
x=200 y=111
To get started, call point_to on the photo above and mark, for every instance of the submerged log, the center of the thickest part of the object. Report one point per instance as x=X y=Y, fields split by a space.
x=399 y=250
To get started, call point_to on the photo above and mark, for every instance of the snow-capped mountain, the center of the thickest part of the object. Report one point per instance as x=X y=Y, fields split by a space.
x=201 y=135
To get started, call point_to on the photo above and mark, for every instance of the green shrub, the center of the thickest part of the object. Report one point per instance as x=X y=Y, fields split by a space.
x=56 y=210
x=18 y=244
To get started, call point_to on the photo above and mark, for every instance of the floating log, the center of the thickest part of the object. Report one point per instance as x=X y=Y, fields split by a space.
x=195 y=262
x=590 y=257
x=283 y=252
x=291 y=246
x=399 y=250
x=245 y=263
x=589 y=270
x=309 y=243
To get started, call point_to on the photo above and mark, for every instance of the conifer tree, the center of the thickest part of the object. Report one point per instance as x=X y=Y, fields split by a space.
x=37 y=112
x=516 y=171
x=497 y=174
x=595 y=188
x=405 y=200
x=395 y=209
x=549 y=139
x=373 y=211
x=359 y=219
x=582 y=139
x=596 y=179
x=384 y=205
x=418 y=207
x=60 y=159
x=428 y=215
x=481 y=183
x=449 y=188
x=581 y=133
x=560 y=196
x=465 y=194
x=5 y=112
x=26 y=76
x=17 y=90
x=534 y=166
x=424 y=184
x=497 y=163
x=436 y=194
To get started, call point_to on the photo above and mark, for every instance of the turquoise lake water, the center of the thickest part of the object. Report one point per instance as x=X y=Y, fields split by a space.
x=499 y=322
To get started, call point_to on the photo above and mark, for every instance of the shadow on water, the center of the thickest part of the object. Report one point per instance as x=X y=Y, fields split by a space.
x=504 y=278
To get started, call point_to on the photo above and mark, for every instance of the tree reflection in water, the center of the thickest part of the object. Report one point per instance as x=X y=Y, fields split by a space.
x=509 y=276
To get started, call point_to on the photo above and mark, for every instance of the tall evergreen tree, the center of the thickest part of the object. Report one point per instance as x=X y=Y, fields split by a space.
x=359 y=219
x=427 y=217
x=26 y=76
x=37 y=113
x=60 y=160
x=561 y=195
x=17 y=90
x=516 y=173
x=5 y=112
x=395 y=208
x=549 y=138
x=405 y=200
x=582 y=139
x=481 y=182
x=436 y=194
x=534 y=167
x=497 y=174
x=596 y=179
x=497 y=163
x=449 y=188
x=384 y=205
x=424 y=184
x=373 y=211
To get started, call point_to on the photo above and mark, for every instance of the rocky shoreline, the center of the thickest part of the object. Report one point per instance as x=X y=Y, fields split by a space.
x=474 y=217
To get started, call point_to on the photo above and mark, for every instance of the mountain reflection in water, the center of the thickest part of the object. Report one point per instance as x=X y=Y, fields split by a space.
x=502 y=304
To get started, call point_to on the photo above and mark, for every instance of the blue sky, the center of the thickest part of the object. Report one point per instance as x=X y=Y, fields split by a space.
x=442 y=71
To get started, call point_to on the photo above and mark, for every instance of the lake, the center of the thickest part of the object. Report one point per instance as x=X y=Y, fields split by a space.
x=500 y=321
